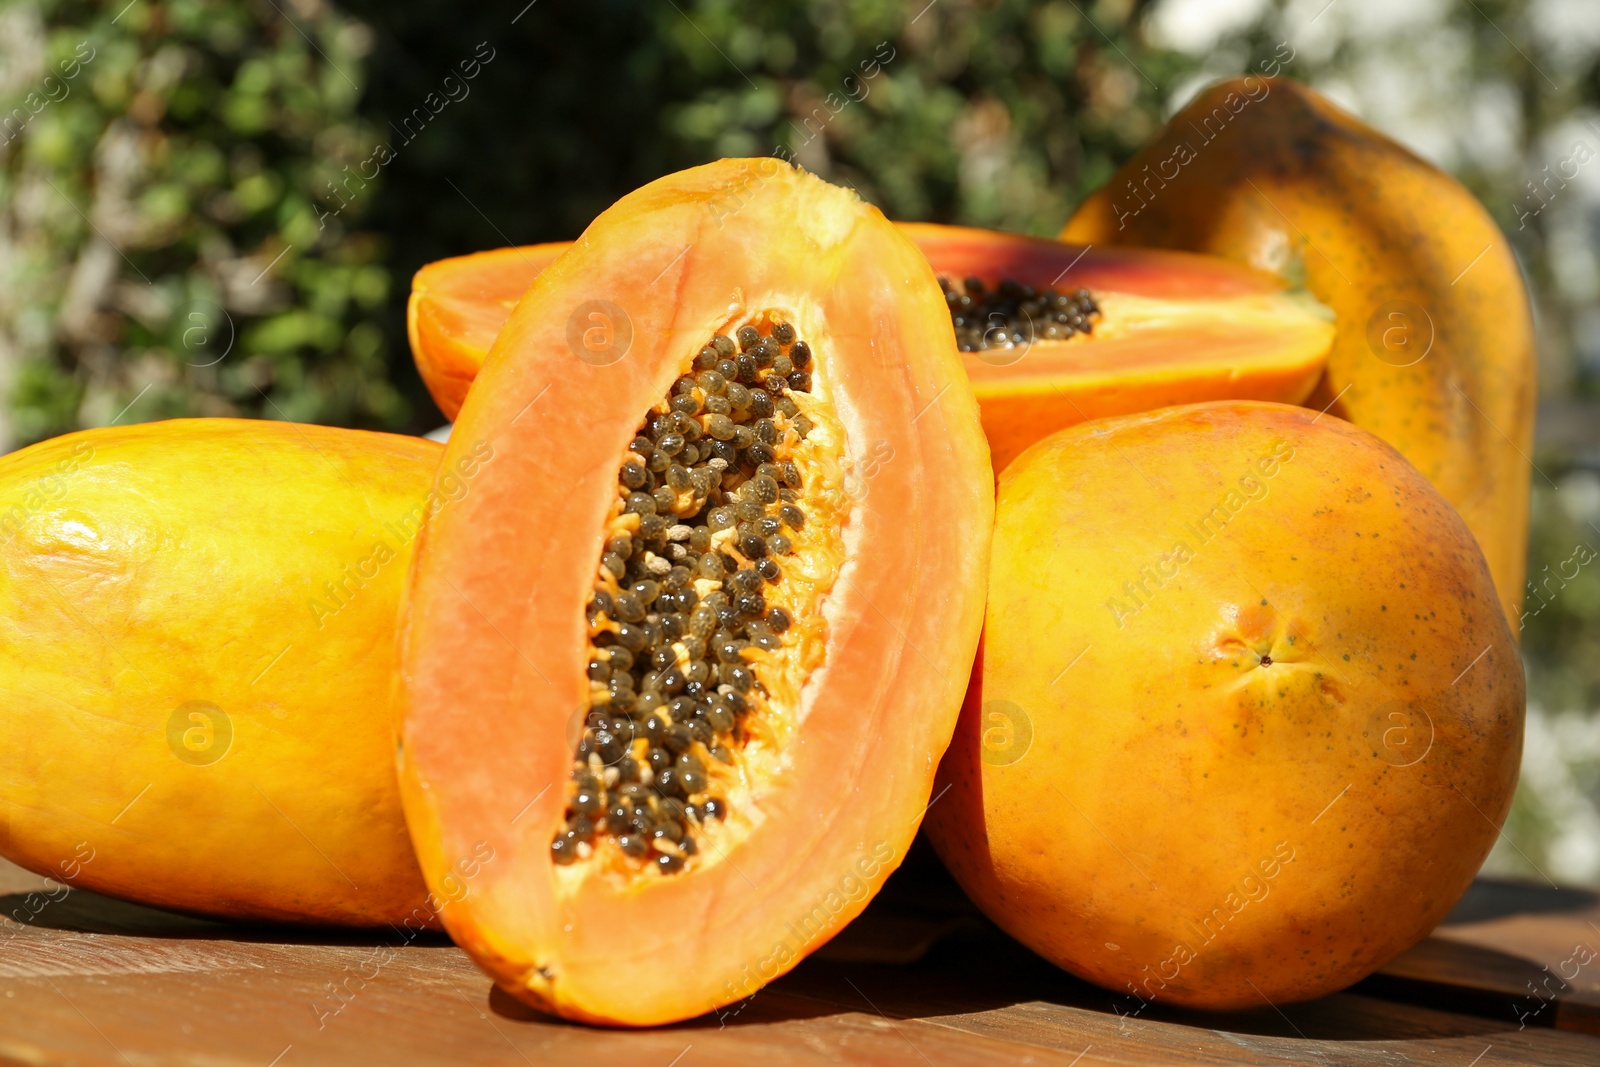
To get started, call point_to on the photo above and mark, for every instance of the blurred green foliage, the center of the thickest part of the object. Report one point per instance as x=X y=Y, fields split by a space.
x=1560 y=639
x=262 y=178
x=160 y=212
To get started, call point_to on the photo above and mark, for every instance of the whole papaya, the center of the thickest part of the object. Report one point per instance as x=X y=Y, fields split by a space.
x=1247 y=716
x=1434 y=350
x=197 y=623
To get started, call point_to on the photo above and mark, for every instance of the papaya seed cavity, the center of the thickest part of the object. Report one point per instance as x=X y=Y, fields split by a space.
x=689 y=635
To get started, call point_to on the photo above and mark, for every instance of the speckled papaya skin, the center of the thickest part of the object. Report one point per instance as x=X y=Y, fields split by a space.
x=1435 y=347
x=197 y=629
x=1247 y=714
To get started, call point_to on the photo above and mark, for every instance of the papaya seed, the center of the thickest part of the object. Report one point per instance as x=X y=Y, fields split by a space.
x=705 y=492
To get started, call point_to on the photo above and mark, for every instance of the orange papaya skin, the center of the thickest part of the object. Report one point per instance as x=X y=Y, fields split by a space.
x=197 y=624
x=1247 y=714
x=1435 y=347
x=1176 y=328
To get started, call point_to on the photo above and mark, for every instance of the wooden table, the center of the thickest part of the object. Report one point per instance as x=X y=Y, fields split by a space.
x=919 y=979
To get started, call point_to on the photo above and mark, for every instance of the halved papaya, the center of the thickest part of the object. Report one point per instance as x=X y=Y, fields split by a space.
x=196 y=647
x=1052 y=333
x=1161 y=328
x=457 y=307
x=683 y=661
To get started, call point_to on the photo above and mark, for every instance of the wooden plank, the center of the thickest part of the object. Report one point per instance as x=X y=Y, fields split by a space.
x=1516 y=951
x=90 y=980
x=194 y=996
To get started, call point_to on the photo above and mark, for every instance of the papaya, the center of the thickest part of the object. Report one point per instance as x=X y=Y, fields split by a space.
x=457 y=307
x=1051 y=334
x=677 y=672
x=1165 y=329
x=1434 y=350
x=1244 y=723
x=197 y=637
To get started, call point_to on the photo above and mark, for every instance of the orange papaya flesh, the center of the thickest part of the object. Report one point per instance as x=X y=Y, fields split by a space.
x=1171 y=328
x=458 y=305
x=848 y=709
x=197 y=623
x=1435 y=345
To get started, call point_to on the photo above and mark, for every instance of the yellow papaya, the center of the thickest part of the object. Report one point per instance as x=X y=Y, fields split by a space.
x=1434 y=350
x=197 y=623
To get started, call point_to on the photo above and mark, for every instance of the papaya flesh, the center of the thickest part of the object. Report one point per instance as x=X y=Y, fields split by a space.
x=198 y=638
x=1169 y=328
x=1434 y=351
x=519 y=738
x=1245 y=722
x=457 y=307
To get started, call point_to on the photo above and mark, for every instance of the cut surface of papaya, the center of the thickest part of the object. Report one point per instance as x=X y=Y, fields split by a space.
x=457 y=307
x=679 y=668
x=198 y=621
x=1148 y=328
x=1165 y=328
x=1435 y=351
